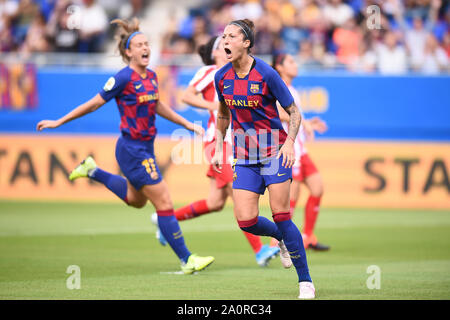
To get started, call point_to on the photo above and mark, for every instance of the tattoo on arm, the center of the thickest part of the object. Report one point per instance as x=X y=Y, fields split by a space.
x=295 y=119
x=223 y=119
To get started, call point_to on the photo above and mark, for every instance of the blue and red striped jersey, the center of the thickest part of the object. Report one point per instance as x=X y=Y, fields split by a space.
x=136 y=98
x=256 y=127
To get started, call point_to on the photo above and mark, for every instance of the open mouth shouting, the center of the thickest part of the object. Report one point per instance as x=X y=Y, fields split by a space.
x=228 y=53
x=145 y=57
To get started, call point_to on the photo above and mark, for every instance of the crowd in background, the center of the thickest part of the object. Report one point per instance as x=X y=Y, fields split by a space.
x=394 y=37
x=389 y=36
x=60 y=25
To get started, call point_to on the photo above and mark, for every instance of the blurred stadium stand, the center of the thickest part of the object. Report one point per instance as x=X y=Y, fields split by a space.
x=384 y=93
x=409 y=35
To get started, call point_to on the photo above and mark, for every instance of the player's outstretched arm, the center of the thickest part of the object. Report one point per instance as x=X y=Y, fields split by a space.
x=83 y=109
x=167 y=113
x=192 y=97
x=318 y=124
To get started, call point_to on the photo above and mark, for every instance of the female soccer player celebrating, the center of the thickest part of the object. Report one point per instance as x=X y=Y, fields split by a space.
x=201 y=93
x=135 y=89
x=248 y=89
x=304 y=170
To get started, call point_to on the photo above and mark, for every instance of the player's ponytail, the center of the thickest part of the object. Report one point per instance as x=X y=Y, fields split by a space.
x=125 y=30
x=205 y=50
x=277 y=60
x=247 y=29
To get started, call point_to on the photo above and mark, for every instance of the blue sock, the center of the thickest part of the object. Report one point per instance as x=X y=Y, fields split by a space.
x=115 y=183
x=293 y=241
x=170 y=229
x=261 y=226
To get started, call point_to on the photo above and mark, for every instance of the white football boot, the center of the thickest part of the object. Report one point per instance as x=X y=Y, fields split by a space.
x=307 y=290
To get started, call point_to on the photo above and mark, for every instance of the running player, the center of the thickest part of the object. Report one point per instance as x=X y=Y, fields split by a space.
x=135 y=89
x=201 y=94
x=248 y=89
x=304 y=170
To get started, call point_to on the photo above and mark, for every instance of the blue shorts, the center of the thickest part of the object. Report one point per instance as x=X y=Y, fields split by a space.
x=257 y=177
x=137 y=161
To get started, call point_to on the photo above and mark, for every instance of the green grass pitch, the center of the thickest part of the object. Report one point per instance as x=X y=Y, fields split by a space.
x=119 y=257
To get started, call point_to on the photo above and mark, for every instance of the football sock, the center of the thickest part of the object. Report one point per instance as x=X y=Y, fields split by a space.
x=311 y=213
x=170 y=229
x=261 y=226
x=117 y=184
x=192 y=210
x=255 y=241
x=294 y=244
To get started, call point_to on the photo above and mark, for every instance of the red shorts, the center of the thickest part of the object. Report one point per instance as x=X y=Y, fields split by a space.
x=305 y=169
x=222 y=179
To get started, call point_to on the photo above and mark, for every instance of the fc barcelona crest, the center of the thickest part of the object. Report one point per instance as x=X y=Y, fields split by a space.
x=254 y=87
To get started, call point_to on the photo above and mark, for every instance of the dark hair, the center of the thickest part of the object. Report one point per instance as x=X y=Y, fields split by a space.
x=247 y=28
x=205 y=51
x=277 y=59
x=126 y=28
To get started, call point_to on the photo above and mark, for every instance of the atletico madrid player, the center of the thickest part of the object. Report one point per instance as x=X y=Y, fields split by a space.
x=248 y=89
x=304 y=170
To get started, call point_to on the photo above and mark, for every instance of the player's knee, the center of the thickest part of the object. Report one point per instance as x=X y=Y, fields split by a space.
x=138 y=204
x=163 y=204
x=315 y=185
x=280 y=206
x=217 y=205
x=317 y=191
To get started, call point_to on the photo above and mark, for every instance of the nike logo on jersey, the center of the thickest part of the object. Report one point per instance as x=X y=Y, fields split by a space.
x=225 y=87
x=282 y=174
x=138 y=86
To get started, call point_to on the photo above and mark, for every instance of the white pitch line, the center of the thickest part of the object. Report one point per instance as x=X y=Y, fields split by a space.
x=175 y=272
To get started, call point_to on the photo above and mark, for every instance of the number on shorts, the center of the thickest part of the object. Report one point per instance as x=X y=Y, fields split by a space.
x=150 y=167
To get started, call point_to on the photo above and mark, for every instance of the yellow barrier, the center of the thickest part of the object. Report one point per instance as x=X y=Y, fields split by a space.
x=382 y=174
x=356 y=174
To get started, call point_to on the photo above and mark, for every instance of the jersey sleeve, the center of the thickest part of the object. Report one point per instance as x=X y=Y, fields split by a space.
x=279 y=89
x=203 y=78
x=217 y=78
x=114 y=86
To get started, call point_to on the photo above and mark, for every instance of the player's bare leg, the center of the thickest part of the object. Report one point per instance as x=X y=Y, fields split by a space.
x=245 y=204
x=217 y=197
x=159 y=195
x=135 y=198
x=314 y=183
x=294 y=194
